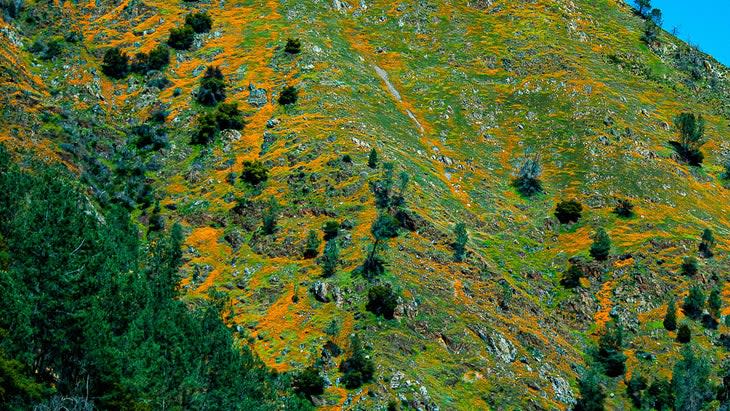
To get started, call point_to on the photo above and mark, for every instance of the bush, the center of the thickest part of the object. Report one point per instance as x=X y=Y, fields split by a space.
x=311 y=247
x=459 y=246
x=206 y=130
x=571 y=278
x=592 y=396
x=527 y=181
x=271 y=213
x=694 y=303
x=382 y=301
x=288 y=96
x=373 y=159
x=115 y=64
x=610 y=350
x=254 y=172
x=357 y=369
x=47 y=50
x=212 y=87
x=714 y=302
x=601 y=247
x=691 y=137
x=330 y=259
x=568 y=211
x=293 y=46
x=158 y=58
x=624 y=208
x=684 y=334
x=181 y=38
x=634 y=388
x=199 y=22
x=227 y=116
x=707 y=243
x=690 y=266
x=331 y=229
x=670 y=318
x=309 y=382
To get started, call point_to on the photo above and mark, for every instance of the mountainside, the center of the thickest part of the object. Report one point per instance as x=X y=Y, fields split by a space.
x=453 y=96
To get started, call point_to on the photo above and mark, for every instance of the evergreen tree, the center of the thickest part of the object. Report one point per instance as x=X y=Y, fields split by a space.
x=199 y=22
x=181 y=38
x=158 y=58
x=373 y=158
x=254 y=172
x=271 y=214
x=670 y=318
x=714 y=302
x=382 y=300
x=568 y=211
x=331 y=229
x=115 y=64
x=694 y=302
x=660 y=395
x=610 y=350
x=592 y=396
x=601 y=245
x=330 y=259
x=635 y=388
x=459 y=245
x=309 y=382
x=571 y=278
x=642 y=7
x=358 y=369
x=690 y=267
x=684 y=334
x=311 y=247
x=289 y=95
x=690 y=381
x=212 y=87
x=707 y=244
x=384 y=227
x=691 y=137
x=293 y=46
x=527 y=181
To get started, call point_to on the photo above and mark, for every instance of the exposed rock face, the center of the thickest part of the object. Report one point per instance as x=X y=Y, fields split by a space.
x=257 y=97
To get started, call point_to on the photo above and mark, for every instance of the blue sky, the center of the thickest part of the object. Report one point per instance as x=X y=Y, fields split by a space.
x=703 y=22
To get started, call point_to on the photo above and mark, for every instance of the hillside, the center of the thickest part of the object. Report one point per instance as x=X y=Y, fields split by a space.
x=455 y=95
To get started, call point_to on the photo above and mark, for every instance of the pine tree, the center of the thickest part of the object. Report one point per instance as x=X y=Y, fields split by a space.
x=694 y=302
x=684 y=333
x=330 y=258
x=592 y=396
x=691 y=137
x=610 y=350
x=714 y=302
x=358 y=369
x=707 y=243
x=459 y=245
x=690 y=266
x=373 y=158
x=271 y=213
x=311 y=247
x=527 y=181
x=571 y=278
x=690 y=381
x=384 y=227
x=116 y=63
x=601 y=245
x=670 y=318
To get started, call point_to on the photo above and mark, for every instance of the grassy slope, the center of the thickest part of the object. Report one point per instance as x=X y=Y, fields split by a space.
x=484 y=87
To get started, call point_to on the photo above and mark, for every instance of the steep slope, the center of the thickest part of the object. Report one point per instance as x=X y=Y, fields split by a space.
x=455 y=94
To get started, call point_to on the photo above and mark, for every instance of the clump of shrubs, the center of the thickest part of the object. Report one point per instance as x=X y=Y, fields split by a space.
x=358 y=369
x=309 y=383
x=293 y=46
x=226 y=116
x=571 y=278
x=690 y=266
x=382 y=300
x=254 y=172
x=115 y=63
x=624 y=208
x=47 y=50
x=289 y=95
x=212 y=87
x=568 y=211
x=199 y=22
x=157 y=59
x=527 y=181
x=181 y=38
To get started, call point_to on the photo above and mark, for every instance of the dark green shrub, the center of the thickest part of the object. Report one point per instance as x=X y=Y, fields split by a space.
x=691 y=381
x=610 y=350
x=601 y=247
x=181 y=38
x=660 y=395
x=158 y=58
x=115 y=64
x=568 y=211
x=311 y=246
x=382 y=301
x=289 y=95
x=271 y=214
x=309 y=382
x=624 y=208
x=635 y=387
x=592 y=396
x=254 y=172
x=694 y=303
x=373 y=158
x=228 y=116
x=330 y=258
x=714 y=302
x=206 y=131
x=459 y=246
x=199 y=22
x=212 y=87
x=670 y=318
x=527 y=181
x=707 y=243
x=571 y=278
x=690 y=266
x=47 y=50
x=331 y=229
x=691 y=138
x=293 y=46
x=357 y=369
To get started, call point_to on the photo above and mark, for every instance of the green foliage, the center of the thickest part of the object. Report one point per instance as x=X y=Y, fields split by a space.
x=212 y=88
x=651 y=32
x=707 y=244
x=568 y=211
x=601 y=247
x=684 y=333
x=206 y=130
x=158 y=58
x=289 y=95
x=642 y=7
x=115 y=63
x=358 y=369
x=331 y=229
x=254 y=172
x=382 y=300
x=624 y=208
x=384 y=227
x=270 y=215
x=181 y=38
x=670 y=318
x=199 y=22
x=660 y=395
x=690 y=381
x=527 y=181
x=691 y=137
x=610 y=350
x=86 y=305
x=311 y=247
x=690 y=266
x=47 y=50
x=714 y=302
x=383 y=187
x=373 y=158
x=571 y=278
x=635 y=387
x=309 y=382
x=293 y=46
x=592 y=396
x=459 y=245
x=228 y=117
x=330 y=258
x=694 y=302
